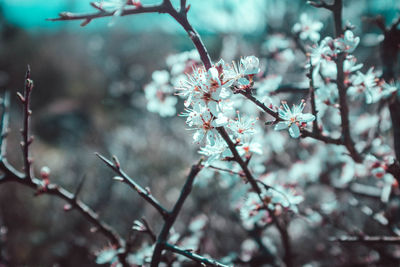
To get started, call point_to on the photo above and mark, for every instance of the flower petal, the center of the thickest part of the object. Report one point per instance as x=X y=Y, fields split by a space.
x=294 y=130
x=281 y=126
x=307 y=117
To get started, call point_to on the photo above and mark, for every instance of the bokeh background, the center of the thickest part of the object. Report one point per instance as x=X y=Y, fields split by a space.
x=88 y=97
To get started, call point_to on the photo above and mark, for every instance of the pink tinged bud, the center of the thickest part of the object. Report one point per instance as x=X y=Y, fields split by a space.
x=67 y=207
x=45 y=173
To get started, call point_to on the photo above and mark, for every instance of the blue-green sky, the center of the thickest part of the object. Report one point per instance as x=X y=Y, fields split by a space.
x=232 y=15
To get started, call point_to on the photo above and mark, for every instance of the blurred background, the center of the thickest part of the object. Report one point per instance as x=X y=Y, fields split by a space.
x=88 y=97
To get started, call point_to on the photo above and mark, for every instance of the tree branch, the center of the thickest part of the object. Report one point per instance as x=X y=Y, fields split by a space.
x=26 y=138
x=145 y=194
x=193 y=256
x=161 y=8
x=12 y=175
x=162 y=237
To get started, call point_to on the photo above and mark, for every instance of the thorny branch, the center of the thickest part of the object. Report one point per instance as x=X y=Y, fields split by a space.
x=10 y=174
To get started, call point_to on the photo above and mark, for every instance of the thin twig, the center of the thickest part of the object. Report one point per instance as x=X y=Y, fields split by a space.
x=261 y=105
x=102 y=13
x=314 y=111
x=239 y=160
x=26 y=138
x=224 y=170
x=193 y=256
x=79 y=187
x=145 y=194
x=12 y=175
x=162 y=237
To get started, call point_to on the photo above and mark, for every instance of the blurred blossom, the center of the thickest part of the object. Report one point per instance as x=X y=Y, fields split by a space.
x=308 y=28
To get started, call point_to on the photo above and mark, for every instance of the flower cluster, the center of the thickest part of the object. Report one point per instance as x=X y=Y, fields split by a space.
x=256 y=209
x=208 y=105
x=159 y=92
x=323 y=59
x=328 y=49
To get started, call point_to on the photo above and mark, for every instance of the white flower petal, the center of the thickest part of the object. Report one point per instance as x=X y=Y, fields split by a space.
x=294 y=131
x=281 y=126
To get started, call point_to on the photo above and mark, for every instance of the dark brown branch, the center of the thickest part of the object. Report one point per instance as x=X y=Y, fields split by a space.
x=344 y=111
x=26 y=138
x=181 y=18
x=319 y=136
x=288 y=88
x=12 y=175
x=145 y=194
x=183 y=8
x=261 y=105
x=102 y=13
x=389 y=50
x=162 y=237
x=193 y=256
x=336 y=9
x=225 y=170
x=79 y=187
x=321 y=4
x=315 y=128
x=283 y=231
x=239 y=160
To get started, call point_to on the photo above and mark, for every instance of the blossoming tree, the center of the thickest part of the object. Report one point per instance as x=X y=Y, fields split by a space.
x=338 y=132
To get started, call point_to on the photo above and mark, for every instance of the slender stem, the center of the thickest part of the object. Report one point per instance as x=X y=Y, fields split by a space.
x=12 y=175
x=195 y=257
x=319 y=136
x=181 y=18
x=314 y=111
x=145 y=194
x=26 y=138
x=102 y=13
x=162 y=237
x=224 y=170
x=239 y=160
x=389 y=50
x=336 y=9
x=287 y=257
x=261 y=105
